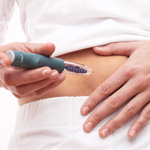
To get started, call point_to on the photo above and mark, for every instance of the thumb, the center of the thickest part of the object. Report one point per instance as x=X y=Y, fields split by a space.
x=38 y=48
x=122 y=48
x=4 y=59
x=44 y=49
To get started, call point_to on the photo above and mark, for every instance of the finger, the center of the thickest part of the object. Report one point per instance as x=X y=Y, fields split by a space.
x=140 y=122
x=111 y=104
x=110 y=85
x=45 y=49
x=31 y=87
x=45 y=89
x=38 y=48
x=124 y=115
x=4 y=60
x=120 y=48
x=52 y=86
x=19 y=77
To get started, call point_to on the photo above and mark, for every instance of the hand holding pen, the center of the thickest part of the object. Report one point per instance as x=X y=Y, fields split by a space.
x=28 y=60
x=28 y=83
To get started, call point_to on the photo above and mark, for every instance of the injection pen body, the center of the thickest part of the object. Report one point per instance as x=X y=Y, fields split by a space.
x=28 y=60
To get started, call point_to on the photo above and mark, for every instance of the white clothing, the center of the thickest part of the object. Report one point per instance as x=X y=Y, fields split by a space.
x=72 y=25
x=77 y=24
x=56 y=124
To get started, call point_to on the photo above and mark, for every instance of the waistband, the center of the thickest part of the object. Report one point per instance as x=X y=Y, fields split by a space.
x=57 y=111
x=57 y=123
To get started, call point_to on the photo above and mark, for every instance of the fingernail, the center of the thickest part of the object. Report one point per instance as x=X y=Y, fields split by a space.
x=2 y=62
x=85 y=110
x=62 y=77
x=105 y=132
x=54 y=75
x=132 y=133
x=88 y=126
x=46 y=72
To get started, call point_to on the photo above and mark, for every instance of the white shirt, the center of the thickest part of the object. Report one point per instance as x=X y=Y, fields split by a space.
x=77 y=24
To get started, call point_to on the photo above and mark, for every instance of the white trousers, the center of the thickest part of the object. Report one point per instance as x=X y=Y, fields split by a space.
x=56 y=124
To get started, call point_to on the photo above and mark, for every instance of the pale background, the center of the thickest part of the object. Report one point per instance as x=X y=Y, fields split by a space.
x=8 y=103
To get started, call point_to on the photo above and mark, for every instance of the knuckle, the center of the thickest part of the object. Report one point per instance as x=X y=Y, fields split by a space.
x=114 y=124
x=26 y=46
x=105 y=88
x=129 y=51
x=130 y=71
x=90 y=104
x=113 y=102
x=113 y=45
x=93 y=100
x=139 y=124
x=130 y=110
x=142 y=82
x=95 y=118
x=16 y=45
x=19 y=91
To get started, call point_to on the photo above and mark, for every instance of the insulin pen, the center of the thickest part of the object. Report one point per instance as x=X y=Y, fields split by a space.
x=28 y=60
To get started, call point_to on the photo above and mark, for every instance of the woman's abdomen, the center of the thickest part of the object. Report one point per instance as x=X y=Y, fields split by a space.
x=83 y=85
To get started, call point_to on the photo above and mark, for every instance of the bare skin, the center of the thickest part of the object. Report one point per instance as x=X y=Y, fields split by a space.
x=130 y=83
x=79 y=85
x=109 y=74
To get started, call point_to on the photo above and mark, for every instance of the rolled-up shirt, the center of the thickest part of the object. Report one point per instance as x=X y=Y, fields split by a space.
x=77 y=24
